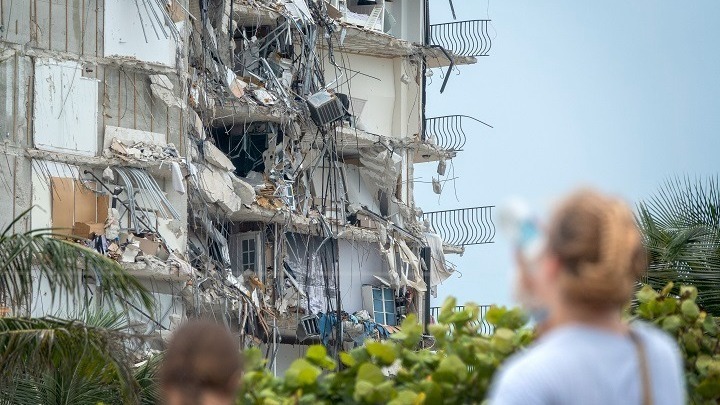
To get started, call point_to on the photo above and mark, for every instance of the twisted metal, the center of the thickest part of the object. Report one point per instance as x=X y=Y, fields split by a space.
x=465 y=226
x=447 y=131
x=483 y=326
x=465 y=38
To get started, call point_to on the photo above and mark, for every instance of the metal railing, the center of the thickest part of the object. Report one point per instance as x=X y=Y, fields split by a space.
x=465 y=226
x=483 y=326
x=465 y=38
x=447 y=131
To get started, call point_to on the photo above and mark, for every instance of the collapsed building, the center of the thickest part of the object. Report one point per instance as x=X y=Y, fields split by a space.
x=248 y=160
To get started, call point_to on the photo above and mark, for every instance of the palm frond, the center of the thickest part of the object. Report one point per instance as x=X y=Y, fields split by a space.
x=37 y=346
x=146 y=376
x=53 y=388
x=42 y=253
x=681 y=230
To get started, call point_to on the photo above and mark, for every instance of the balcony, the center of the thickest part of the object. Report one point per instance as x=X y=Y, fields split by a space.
x=447 y=132
x=483 y=326
x=465 y=38
x=463 y=227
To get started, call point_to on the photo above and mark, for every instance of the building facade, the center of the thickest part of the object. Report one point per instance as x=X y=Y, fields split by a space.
x=249 y=160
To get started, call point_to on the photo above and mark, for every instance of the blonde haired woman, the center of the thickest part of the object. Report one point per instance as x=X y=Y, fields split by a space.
x=587 y=354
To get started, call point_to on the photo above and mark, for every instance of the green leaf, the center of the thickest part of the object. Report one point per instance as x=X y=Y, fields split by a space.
x=363 y=389
x=667 y=289
x=666 y=306
x=709 y=326
x=691 y=344
x=672 y=323
x=447 y=310
x=384 y=352
x=690 y=310
x=502 y=340
x=689 y=292
x=646 y=294
x=302 y=373
x=451 y=369
x=347 y=359
x=501 y=317
x=317 y=354
x=709 y=388
x=406 y=397
x=370 y=373
x=253 y=359
x=410 y=332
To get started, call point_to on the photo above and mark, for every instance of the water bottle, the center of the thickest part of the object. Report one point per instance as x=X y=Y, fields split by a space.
x=523 y=230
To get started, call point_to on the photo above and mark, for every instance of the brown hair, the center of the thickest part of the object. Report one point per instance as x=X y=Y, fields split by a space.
x=600 y=248
x=202 y=357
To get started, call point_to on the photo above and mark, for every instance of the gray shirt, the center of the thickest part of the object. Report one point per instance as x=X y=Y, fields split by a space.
x=580 y=364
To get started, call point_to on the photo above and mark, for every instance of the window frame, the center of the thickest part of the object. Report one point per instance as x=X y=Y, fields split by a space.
x=238 y=266
x=387 y=315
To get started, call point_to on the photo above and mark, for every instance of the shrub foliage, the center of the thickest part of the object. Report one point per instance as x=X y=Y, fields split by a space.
x=458 y=366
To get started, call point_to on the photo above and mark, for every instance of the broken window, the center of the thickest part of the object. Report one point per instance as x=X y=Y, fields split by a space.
x=369 y=14
x=246 y=147
x=380 y=303
x=76 y=209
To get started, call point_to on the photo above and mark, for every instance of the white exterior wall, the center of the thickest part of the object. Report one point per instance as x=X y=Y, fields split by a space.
x=358 y=263
x=286 y=354
x=391 y=94
x=378 y=90
x=409 y=19
x=407 y=113
x=66 y=108
x=135 y=32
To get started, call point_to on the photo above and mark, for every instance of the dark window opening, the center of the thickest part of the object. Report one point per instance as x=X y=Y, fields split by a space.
x=246 y=149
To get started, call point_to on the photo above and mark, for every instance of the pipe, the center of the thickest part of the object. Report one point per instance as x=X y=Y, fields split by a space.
x=426 y=254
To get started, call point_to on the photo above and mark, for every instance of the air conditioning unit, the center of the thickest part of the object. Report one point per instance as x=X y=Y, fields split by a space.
x=307 y=328
x=325 y=108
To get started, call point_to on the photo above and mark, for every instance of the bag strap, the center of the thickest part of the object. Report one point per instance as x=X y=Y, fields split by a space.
x=644 y=368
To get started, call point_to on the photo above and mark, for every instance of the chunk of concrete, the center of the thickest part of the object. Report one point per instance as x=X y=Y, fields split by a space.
x=132 y=136
x=217 y=187
x=243 y=189
x=165 y=95
x=161 y=80
x=237 y=88
x=217 y=157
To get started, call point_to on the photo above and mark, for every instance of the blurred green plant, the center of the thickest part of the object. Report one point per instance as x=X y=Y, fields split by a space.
x=456 y=369
x=459 y=366
x=696 y=332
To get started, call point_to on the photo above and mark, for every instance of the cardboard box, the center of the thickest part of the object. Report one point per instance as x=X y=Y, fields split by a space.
x=84 y=229
x=148 y=247
x=365 y=221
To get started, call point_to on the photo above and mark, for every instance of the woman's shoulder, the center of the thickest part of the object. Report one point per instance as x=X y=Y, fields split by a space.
x=656 y=341
x=653 y=336
x=534 y=369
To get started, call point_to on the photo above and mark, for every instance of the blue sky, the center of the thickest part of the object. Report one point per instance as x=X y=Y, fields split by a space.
x=617 y=95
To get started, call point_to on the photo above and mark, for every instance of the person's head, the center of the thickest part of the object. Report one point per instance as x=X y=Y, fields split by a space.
x=202 y=365
x=594 y=255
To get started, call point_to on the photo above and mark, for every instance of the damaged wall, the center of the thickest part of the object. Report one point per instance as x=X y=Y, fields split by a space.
x=131 y=100
x=138 y=31
x=15 y=120
x=375 y=86
x=73 y=26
